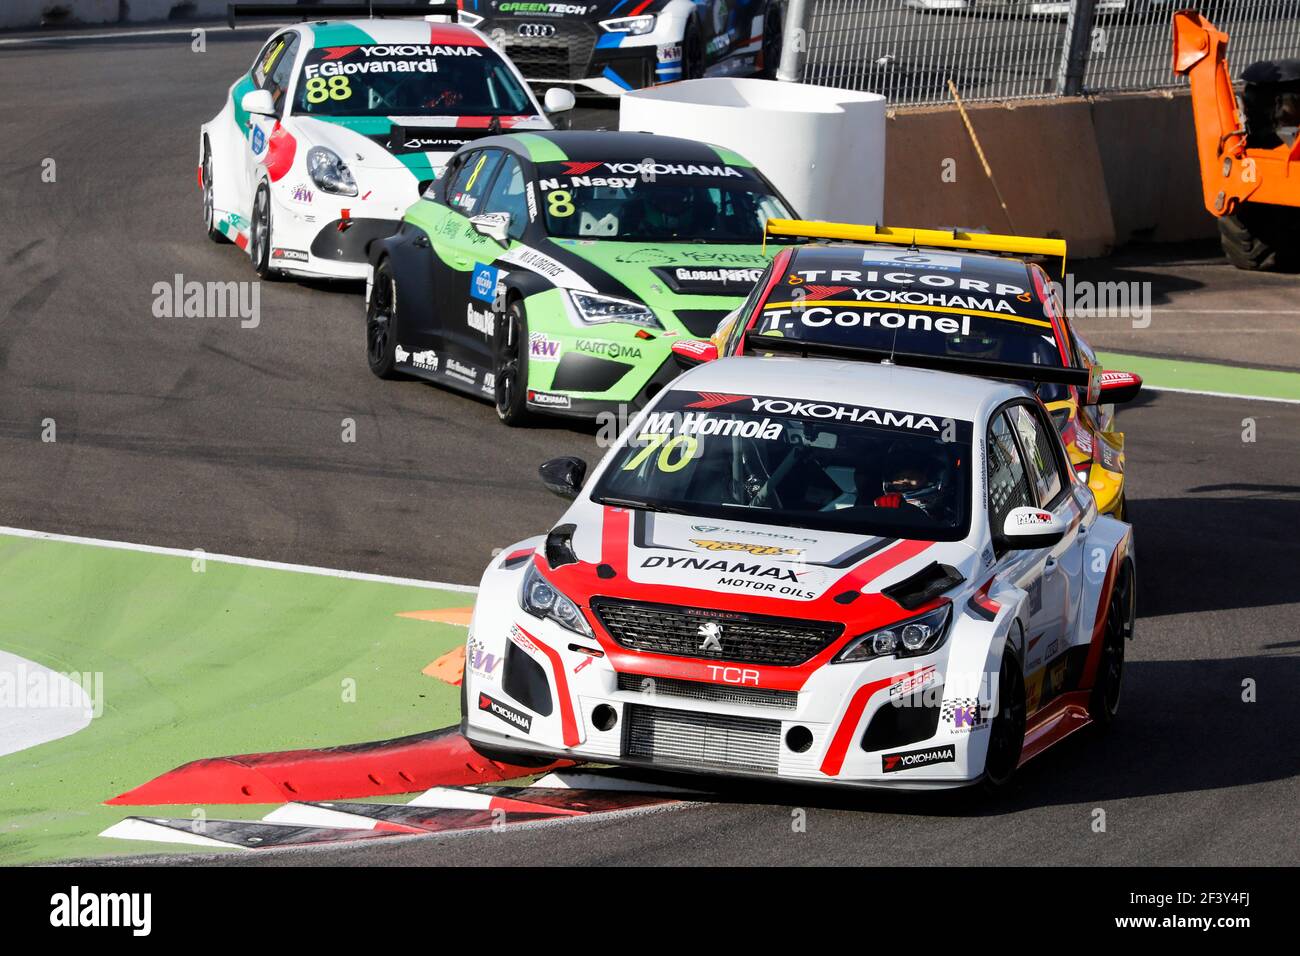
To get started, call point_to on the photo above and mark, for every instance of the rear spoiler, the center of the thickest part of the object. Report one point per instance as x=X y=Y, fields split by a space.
x=901 y=236
x=757 y=344
x=334 y=11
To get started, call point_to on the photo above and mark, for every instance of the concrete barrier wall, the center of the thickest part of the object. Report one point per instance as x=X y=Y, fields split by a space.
x=1147 y=143
x=1097 y=172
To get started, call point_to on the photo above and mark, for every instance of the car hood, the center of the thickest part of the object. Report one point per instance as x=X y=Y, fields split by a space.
x=669 y=276
x=636 y=554
x=422 y=144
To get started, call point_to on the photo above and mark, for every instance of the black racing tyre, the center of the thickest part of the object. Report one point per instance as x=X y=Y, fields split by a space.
x=1007 y=729
x=209 y=204
x=259 y=237
x=510 y=365
x=1262 y=238
x=692 y=52
x=1103 y=704
x=381 y=323
x=773 y=34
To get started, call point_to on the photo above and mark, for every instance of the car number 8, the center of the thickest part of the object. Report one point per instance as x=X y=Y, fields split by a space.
x=560 y=203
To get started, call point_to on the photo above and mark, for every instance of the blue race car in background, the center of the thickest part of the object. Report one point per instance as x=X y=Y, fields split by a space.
x=608 y=47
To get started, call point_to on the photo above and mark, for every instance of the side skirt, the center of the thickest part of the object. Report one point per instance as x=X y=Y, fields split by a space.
x=1060 y=718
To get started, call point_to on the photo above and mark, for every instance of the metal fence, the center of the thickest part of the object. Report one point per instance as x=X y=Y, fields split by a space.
x=908 y=50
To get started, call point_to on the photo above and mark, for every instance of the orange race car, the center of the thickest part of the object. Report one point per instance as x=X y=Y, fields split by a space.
x=947 y=300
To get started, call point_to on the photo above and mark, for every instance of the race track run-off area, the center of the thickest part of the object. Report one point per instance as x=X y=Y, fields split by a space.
x=202 y=441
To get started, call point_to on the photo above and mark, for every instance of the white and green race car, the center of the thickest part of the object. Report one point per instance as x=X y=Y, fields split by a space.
x=339 y=126
x=553 y=271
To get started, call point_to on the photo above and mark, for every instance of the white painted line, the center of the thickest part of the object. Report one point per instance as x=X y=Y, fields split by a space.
x=141 y=828
x=62 y=708
x=306 y=815
x=450 y=798
x=1244 y=398
x=267 y=28
x=595 y=780
x=231 y=559
x=1195 y=330
x=1175 y=311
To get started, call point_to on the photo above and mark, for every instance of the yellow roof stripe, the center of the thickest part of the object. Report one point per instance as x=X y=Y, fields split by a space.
x=889 y=307
x=906 y=236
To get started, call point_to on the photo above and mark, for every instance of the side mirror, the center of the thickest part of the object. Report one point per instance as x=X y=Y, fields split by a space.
x=563 y=476
x=494 y=225
x=1028 y=528
x=558 y=100
x=692 y=352
x=1119 y=387
x=259 y=102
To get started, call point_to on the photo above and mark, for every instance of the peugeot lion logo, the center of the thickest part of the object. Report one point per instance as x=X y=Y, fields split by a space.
x=537 y=30
x=712 y=634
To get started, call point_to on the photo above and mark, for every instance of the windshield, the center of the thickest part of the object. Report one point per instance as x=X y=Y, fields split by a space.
x=657 y=202
x=409 y=80
x=779 y=461
x=907 y=310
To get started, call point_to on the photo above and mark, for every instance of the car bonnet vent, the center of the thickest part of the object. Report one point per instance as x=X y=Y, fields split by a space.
x=559 y=546
x=924 y=586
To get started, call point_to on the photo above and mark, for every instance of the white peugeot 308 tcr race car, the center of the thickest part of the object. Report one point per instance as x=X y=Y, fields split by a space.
x=819 y=571
x=339 y=126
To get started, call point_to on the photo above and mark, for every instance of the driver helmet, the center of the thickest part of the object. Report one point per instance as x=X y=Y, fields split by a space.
x=978 y=345
x=918 y=477
x=670 y=201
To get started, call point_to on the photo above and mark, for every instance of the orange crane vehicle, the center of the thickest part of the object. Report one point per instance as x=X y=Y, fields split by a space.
x=1249 y=149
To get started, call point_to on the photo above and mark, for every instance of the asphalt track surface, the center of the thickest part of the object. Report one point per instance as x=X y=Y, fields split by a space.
x=197 y=433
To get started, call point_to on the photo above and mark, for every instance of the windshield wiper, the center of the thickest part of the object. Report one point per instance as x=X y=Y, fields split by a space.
x=642 y=505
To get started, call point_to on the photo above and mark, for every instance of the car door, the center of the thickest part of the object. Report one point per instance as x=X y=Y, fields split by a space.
x=1010 y=486
x=461 y=318
x=1052 y=481
x=506 y=195
x=272 y=73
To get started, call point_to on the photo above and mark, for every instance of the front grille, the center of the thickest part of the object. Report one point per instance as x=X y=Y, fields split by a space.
x=680 y=738
x=745 y=638
x=700 y=322
x=695 y=690
x=565 y=56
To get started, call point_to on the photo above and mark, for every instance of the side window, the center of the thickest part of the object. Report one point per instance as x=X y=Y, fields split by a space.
x=266 y=61
x=743 y=313
x=507 y=195
x=465 y=194
x=1041 y=457
x=1008 y=484
x=1085 y=350
x=282 y=74
x=459 y=176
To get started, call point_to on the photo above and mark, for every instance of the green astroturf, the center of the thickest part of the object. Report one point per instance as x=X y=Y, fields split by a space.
x=229 y=660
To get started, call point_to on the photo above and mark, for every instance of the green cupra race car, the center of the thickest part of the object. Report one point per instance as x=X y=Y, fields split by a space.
x=552 y=271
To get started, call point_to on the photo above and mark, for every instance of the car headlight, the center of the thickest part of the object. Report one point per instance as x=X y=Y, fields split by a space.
x=540 y=599
x=636 y=26
x=910 y=638
x=329 y=172
x=600 y=309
